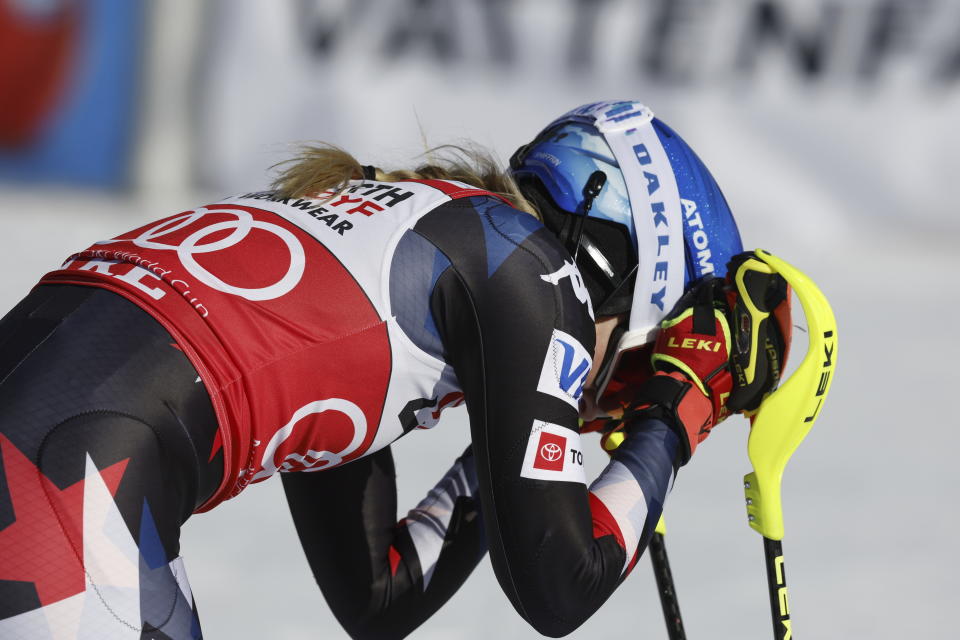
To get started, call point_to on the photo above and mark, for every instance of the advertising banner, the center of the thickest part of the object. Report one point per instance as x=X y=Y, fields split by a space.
x=828 y=99
x=68 y=87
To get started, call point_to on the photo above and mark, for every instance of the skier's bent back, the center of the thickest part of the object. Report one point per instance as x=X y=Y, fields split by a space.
x=306 y=328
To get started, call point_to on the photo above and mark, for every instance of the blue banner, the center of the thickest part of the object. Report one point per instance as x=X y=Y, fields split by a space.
x=69 y=74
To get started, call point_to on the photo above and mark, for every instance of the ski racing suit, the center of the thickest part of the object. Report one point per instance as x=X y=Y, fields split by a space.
x=157 y=374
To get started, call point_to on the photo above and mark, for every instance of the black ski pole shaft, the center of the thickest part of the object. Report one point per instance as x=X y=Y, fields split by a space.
x=777 y=585
x=668 y=595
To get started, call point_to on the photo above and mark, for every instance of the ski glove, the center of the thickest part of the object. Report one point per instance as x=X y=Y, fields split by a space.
x=721 y=350
x=691 y=362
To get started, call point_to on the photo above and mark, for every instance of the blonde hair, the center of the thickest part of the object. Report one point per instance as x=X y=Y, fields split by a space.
x=327 y=168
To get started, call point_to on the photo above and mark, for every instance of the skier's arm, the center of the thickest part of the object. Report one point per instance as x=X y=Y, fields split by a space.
x=383 y=578
x=517 y=339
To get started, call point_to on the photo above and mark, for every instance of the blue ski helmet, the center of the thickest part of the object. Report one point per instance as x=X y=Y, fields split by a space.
x=657 y=222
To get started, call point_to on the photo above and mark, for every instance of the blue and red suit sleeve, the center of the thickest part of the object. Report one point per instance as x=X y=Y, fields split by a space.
x=627 y=498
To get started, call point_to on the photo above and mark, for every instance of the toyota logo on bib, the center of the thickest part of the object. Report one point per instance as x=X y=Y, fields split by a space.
x=551 y=451
x=553 y=454
x=187 y=248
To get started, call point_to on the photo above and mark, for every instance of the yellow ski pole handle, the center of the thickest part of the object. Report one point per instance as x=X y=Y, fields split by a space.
x=661 y=527
x=779 y=426
x=613 y=441
x=786 y=415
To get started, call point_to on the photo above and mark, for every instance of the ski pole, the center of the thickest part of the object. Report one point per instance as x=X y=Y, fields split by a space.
x=781 y=423
x=668 y=595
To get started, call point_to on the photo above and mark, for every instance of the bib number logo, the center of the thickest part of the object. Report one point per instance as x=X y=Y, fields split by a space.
x=240 y=229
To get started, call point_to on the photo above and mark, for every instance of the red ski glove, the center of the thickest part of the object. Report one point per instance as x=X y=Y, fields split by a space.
x=703 y=371
x=691 y=362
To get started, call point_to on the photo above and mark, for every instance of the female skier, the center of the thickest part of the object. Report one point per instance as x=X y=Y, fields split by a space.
x=306 y=328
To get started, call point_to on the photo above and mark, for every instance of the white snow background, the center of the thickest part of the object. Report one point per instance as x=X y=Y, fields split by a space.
x=856 y=186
